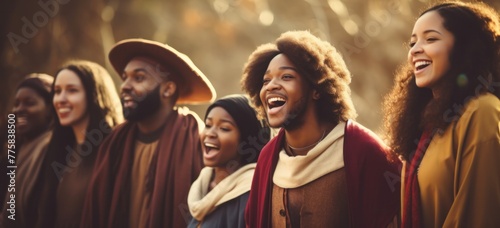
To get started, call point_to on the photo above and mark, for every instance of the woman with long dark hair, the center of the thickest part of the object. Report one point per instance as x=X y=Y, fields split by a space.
x=443 y=118
x=87 y=107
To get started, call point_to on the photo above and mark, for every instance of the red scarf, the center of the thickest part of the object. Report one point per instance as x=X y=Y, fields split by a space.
x=412 y=210
x=176 y=164
x=373 y=197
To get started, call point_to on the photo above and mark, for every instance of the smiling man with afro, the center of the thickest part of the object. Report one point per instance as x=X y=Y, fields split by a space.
x=322 y=169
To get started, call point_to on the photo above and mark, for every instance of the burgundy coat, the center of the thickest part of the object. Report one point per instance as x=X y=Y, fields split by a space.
x=176 y=164
x=373 y=182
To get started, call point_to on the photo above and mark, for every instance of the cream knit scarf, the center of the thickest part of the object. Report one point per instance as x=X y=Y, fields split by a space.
x=202 y=203
x=324 y=158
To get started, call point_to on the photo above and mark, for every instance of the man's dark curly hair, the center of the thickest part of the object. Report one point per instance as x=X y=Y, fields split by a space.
x=474 y=69
x=317 y=61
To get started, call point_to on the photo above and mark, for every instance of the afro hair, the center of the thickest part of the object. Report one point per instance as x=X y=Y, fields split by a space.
x=316 y=60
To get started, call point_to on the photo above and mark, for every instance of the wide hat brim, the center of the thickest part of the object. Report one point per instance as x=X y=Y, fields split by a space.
x=194 y=86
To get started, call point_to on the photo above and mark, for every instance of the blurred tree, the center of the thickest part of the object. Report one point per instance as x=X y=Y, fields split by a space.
x=218 y=35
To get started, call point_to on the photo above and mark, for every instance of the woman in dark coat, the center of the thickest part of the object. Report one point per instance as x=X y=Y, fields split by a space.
x=231 y=142
x=87 y=107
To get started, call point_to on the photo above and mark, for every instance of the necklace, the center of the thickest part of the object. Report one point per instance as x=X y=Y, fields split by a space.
x=306 y=147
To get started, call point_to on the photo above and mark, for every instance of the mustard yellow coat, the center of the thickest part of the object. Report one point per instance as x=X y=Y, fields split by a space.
x=459 y=176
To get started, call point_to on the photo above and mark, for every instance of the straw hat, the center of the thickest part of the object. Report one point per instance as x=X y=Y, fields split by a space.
x=195 y=86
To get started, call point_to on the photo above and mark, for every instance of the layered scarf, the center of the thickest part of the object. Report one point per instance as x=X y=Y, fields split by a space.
x=201 y=202
x=324 y=158
x=175 y=165
x=412 y=209
x=373 y=197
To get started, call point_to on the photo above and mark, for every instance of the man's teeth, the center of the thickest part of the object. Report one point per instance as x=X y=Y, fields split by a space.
x=275 y=99
x=422 y=63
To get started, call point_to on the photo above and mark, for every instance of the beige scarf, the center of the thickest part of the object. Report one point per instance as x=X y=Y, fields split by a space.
x=324 y=158
x=201 y=202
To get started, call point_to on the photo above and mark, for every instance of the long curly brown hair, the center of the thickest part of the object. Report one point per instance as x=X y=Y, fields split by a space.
x=474 y=70
x=318 y=61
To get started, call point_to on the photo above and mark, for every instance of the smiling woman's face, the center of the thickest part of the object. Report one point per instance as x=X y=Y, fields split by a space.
x=32 y=113
x=220 y=139
x=431 y=46
x=70 y=99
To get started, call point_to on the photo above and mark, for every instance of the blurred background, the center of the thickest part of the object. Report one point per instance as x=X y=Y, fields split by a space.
x=218 y=35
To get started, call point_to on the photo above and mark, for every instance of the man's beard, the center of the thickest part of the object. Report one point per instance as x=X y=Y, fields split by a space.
x=296 y=117
x=146 y=106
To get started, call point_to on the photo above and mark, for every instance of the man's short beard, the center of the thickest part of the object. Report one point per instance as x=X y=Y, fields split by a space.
x=146 y=106
x=296 y=117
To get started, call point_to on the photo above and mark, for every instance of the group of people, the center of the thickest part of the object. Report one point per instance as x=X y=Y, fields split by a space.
x=286 y=154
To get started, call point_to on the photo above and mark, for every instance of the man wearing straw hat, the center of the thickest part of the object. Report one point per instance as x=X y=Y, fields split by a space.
x=145 y=167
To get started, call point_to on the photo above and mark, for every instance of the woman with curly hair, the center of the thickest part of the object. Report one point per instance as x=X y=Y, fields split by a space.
x=443 y=118
x=322 y=169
